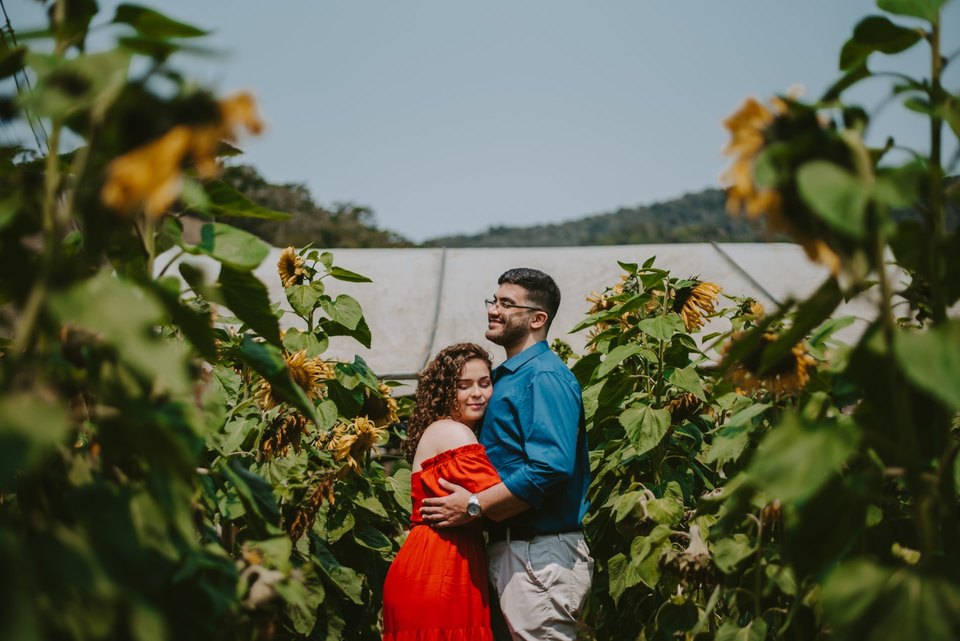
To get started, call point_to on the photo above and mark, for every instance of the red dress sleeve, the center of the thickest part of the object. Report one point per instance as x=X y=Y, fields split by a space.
x=467 y=466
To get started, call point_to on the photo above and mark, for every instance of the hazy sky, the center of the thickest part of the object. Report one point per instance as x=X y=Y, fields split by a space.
x=447 y=116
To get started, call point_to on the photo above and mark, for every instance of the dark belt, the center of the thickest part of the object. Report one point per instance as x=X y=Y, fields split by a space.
x=498 y=532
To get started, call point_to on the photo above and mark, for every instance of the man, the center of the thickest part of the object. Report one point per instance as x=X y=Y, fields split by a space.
x=534 y=434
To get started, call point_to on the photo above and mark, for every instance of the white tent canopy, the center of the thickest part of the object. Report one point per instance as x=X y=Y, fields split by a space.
x=421 y=300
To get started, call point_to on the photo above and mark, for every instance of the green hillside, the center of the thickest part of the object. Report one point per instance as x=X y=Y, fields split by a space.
x=693 y=218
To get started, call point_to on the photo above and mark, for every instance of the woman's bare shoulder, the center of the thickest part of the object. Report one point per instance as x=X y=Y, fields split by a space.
x=440 y=436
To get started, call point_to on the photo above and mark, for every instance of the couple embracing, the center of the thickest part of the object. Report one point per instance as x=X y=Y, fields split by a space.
x=524 y=483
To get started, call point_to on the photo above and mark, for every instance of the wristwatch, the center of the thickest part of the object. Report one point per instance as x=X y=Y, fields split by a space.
x=473 y=505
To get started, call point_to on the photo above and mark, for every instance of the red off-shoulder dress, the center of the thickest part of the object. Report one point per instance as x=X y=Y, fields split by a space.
x=436 y=588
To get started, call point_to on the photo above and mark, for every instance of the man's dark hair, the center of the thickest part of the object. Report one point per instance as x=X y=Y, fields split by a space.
x=542 y=291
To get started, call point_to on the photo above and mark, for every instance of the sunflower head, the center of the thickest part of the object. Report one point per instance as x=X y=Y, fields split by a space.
x=308 y=373
x=151 y=176
x=290 y=267
x=789 y=375
x=380 y=407
x=695 y=303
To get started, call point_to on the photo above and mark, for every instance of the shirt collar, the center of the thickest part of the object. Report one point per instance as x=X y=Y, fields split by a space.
x=513 y=364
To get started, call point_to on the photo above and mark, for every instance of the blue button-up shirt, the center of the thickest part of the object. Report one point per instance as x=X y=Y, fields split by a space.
x=534 y=434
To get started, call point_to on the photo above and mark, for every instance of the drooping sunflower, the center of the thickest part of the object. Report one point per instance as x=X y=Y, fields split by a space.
x=351 y=442
x=751 y=130
x=151 y=176
x=683 y=407
x=286 y=431
x=308 y=373
x=381 y=409
x=290 y=267
x=788 y=375
x=304 y=519
x=695 y=303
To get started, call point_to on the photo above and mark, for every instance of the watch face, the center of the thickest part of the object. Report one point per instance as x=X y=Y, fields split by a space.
x=473 y=509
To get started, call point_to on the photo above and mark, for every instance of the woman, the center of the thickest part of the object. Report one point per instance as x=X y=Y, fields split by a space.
x=437 y=585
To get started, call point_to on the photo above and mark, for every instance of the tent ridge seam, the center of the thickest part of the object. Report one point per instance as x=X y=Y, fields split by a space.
x=441 y=279
x=745 y=273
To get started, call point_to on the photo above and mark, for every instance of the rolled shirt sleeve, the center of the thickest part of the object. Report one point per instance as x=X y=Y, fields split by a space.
x=550 y=412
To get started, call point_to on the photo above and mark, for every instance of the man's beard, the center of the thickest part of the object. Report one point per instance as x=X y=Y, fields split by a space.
x=509 y=334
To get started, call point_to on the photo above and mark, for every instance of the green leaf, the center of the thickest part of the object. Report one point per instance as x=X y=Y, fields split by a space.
x=661 y=327
x=233 y=247
x=756 y=630
x=645 y=426
x=876 y=33
x=224 y=200
x=864 y=600
x=345 y=579
x=730 y=552
x=813 y=311
x=153 y=24
x=29 y=430
x=303 y=299
x=247 y=298
x=255 y=492
x=931 y=360
x=616 y=356
x=728 y=444
x=345 y=310
x=839 y=197
x=294 y=341
x=928 y=10
x=796 y=458
x=68 y=86
x=669 y=509
x=688 y=380
x=370 y=537
x=125 y=316
x=746 y=415
x=267 y=361
x=345 y=274
x=399 y=484
x=849 y=79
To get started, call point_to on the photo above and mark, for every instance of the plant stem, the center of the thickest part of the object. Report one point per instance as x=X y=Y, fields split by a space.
x=935 y=187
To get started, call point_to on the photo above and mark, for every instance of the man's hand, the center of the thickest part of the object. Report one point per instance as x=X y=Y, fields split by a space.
x=449 y=510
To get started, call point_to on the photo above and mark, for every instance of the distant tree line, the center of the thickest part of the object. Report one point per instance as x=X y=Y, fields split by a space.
x=693 y=218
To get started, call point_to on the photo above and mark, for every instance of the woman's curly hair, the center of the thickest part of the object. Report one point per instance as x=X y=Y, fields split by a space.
x=437 y=389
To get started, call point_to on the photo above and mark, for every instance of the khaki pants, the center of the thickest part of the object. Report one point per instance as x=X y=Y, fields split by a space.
x=542 y=584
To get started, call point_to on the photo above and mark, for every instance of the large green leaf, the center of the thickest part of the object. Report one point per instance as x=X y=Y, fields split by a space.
x=645 y=426
x=928 y=10
x=813 y=311
x=839 y=197
x=730 y=552
x=796 y=458
x=876 y=33
x=247 y=298
x=865 y=601
x=345 y=579
x=66 y=86
x=303 y=299
x=153 y=24
x=224 y=200
x=931 y=359
x=267 y=361
x=688 y=380
x=616 y=356
x=125 y=316
x=345 y=310
x=30 y=428
x=233 y=247
x=661 y=327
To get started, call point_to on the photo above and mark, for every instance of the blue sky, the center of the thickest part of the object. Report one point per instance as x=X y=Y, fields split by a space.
x=448 y=117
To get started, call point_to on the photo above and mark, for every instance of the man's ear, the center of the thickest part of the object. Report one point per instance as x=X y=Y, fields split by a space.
x=539 y=320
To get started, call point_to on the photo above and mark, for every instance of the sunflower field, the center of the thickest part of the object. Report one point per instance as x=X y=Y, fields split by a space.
x=173 y=465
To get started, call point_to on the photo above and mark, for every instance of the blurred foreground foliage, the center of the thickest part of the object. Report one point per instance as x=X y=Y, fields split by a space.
x=172 y=465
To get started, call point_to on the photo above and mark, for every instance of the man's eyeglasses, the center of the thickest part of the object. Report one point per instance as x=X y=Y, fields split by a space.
x=505 y=305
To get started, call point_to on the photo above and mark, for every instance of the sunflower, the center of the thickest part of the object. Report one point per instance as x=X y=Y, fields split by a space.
x=308 y=373
x=286 y=432
x=750 y=130
x=683 y=407
x=351 y=442
x=305 y=518
x=151 y=176
x=695 y=303
x=290 y=267
x=789 y=375
x=381 y=408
